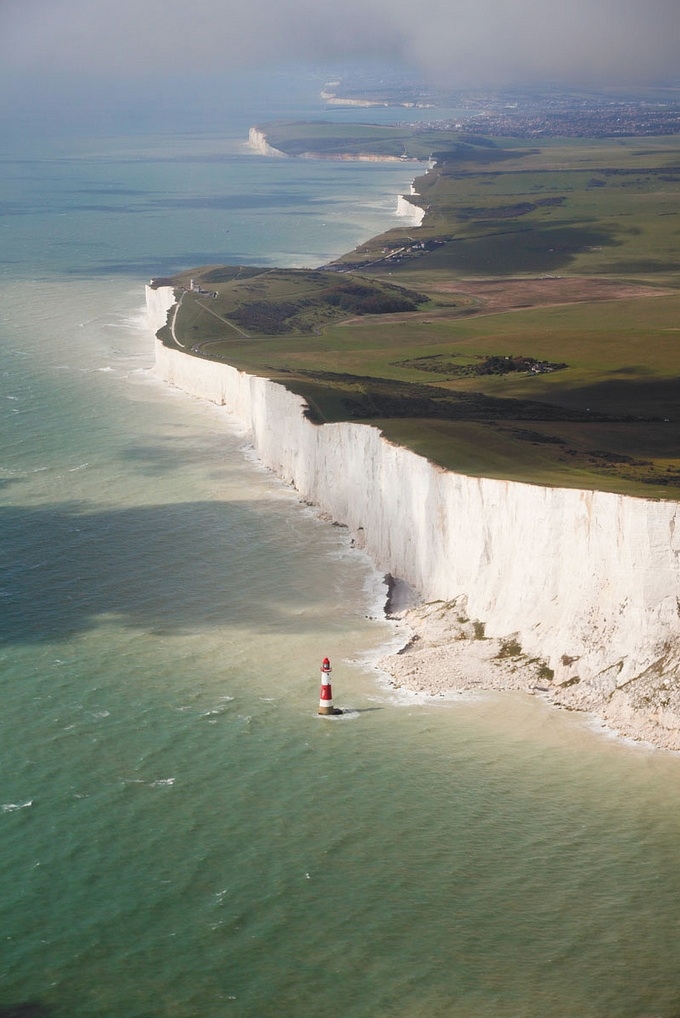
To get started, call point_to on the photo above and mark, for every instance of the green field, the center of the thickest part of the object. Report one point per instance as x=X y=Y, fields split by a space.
x=528 y=330
x=588 y=207
x=328 y=140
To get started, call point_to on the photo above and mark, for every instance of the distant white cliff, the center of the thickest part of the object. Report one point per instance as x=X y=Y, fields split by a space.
x=587 y=581
x=257 y=140
x=407 y=210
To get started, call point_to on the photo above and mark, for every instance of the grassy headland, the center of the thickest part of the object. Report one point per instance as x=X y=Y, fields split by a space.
x=324 y=140
x=529 y=329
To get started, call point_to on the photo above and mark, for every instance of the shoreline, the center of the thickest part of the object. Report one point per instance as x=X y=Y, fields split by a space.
x=443 y=655
x=628 y=646
x=258 y=141
x=407 y=207
x=462 y=647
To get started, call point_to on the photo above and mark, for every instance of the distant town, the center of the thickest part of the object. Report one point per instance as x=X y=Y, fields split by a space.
x=524 y=114
x=567 y=117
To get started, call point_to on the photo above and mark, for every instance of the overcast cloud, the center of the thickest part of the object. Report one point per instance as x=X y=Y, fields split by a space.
x=458 y=42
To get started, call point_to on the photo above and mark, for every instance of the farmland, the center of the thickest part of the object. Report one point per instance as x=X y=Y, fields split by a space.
x=527 y=330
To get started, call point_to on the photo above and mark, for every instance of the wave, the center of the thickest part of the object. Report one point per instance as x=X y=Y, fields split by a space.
x=10 y=807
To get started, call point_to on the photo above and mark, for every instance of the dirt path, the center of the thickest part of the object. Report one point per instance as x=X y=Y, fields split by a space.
x=223 y=321
x=174 y=319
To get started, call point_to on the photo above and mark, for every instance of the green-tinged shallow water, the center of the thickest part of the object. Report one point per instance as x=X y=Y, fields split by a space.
x=180 y=834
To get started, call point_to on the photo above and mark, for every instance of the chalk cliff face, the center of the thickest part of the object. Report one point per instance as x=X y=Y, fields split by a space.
x=588 y=581
x=350 y=157
x=408 y=210
x=257 y=140
x=159 y=300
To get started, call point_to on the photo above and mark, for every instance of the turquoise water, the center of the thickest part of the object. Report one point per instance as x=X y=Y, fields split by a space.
x=180 y=834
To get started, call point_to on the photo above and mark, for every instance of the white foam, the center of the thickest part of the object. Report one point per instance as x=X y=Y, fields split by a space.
x=348 y=714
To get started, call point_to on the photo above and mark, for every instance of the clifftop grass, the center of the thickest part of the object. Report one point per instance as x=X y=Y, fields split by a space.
x=560 y=255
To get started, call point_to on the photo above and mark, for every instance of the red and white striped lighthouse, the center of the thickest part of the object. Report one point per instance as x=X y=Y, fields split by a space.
x=326 y=699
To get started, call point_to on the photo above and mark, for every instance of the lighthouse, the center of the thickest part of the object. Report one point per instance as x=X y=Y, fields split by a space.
x=326 y=699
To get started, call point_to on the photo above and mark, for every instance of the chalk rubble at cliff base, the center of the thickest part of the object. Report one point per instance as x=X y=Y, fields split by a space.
x=578 y=589
x=446 y=653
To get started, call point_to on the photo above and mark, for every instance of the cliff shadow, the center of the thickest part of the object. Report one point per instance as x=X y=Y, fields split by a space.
x=28 y=1009
x=629 y=392
x=513 y=249
x=164 y=568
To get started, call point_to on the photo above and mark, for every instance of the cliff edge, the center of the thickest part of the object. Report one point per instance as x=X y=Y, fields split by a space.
x=582 y=586
x=257 y=140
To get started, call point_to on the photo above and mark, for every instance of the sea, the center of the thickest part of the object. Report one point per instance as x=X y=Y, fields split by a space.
x=181 y=835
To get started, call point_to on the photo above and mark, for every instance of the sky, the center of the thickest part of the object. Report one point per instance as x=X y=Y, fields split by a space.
x=451 y=41
x=45 y=44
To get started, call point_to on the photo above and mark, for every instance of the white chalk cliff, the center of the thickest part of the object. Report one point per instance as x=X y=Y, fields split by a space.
x=257 y=140
x=588 y=581
x=408 y=210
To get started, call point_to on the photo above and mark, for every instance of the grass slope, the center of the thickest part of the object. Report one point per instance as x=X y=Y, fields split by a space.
x=597 y=207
